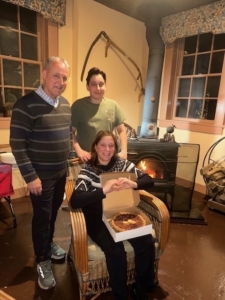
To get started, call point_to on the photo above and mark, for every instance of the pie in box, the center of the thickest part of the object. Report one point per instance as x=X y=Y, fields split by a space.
x=124 y=204
x=126 y=221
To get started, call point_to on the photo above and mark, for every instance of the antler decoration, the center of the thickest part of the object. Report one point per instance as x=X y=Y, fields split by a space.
x=111 y=43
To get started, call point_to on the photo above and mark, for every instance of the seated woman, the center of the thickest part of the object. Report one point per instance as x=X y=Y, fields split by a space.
x=89 y=194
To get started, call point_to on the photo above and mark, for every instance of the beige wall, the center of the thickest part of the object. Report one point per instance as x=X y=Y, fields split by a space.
x=4 y=133
x=85 y=20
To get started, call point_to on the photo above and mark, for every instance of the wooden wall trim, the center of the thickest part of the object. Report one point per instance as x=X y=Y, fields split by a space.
x=52 y=38
x=197 y=127
x=4 y=123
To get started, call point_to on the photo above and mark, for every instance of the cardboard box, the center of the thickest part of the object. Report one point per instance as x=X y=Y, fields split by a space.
x=125 y=200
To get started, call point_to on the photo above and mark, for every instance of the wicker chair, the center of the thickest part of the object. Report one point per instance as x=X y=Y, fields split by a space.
x=89 y=260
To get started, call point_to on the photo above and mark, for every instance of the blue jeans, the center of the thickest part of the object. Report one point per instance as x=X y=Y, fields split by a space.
x=45 y=209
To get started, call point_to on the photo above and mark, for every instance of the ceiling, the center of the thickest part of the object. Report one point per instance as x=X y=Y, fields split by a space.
x=135 y=8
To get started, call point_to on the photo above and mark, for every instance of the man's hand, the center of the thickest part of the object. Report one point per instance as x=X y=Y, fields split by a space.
x=35 y=187
x=83 y=155
x=123 y=154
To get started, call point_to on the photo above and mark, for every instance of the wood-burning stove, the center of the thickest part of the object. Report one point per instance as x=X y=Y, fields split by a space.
x=159 y=160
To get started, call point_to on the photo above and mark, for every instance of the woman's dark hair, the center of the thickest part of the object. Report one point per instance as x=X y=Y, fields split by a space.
x=94 y=157
x=95 y=71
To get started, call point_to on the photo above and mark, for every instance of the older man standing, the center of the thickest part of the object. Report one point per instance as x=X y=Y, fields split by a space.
x=40 y=142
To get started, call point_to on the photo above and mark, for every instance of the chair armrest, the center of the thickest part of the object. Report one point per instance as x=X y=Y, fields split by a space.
x=159 y=215
x=69 y=188
x=79 y=240
x=79 y=232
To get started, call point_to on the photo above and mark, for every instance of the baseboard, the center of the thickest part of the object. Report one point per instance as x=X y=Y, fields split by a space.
x=200 y=188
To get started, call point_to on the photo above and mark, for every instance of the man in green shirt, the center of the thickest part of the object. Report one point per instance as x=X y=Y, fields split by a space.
x=94 y=113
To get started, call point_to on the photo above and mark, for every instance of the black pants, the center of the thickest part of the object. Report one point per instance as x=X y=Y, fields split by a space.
x=45 y=208
x=117 y=263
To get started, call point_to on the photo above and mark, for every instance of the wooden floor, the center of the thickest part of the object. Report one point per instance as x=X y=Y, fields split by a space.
x=191 y=268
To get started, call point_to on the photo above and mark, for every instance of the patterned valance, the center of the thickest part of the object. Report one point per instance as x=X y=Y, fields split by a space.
x=206 y=18
x=54 y=10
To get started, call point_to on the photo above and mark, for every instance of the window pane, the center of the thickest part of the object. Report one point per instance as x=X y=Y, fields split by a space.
x=184 y=87
x=195 y=109
x=12 y=72
x=31 y=75
x=213 y=85
x=181 y=109
x=188 y=65
x=198 y=86
x=202 y=64
x=11 y=95
x=190 y=45
x=219 y=41
x=28 y=20
x=29 y=47
x=217 y=62
x=9 y=42
x=205 y=41
x=8 y=15
x=210 y=109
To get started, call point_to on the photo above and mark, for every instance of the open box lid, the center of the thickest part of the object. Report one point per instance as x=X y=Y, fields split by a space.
x=120 y=199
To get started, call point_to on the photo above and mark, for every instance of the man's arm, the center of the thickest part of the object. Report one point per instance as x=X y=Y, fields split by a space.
x=20 y=129
x=83 y=155
x=123 y=140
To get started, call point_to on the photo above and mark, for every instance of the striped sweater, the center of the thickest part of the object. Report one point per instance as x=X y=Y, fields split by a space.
x=40 y=137
x=88 y=193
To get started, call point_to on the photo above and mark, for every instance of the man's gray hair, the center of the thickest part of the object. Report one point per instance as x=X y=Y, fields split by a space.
x=53 y=59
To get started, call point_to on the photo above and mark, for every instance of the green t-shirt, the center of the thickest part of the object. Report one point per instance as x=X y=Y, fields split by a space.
x=89 y=118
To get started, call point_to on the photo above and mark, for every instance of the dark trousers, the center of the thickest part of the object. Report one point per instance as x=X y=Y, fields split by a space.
x=45 y=208
x=117 y=263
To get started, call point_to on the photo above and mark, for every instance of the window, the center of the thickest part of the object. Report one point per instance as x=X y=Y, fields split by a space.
x=199 y=82
x=20 y=60
x=195 y=68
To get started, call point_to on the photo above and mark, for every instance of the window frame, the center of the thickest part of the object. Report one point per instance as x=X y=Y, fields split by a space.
x=171 y=72
x=47 y=32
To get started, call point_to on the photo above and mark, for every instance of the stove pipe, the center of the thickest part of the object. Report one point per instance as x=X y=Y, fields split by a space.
x=154 y=72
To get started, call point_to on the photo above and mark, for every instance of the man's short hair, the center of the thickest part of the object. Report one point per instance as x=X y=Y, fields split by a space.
x=53 y=59
x=95 y=71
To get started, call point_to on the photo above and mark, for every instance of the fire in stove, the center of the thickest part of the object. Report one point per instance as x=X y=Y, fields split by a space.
x=158 y=159
x=152 y=167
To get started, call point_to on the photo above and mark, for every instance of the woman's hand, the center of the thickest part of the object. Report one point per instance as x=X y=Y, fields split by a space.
x=109 y=186
x=125 y=183
x=118 y=185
